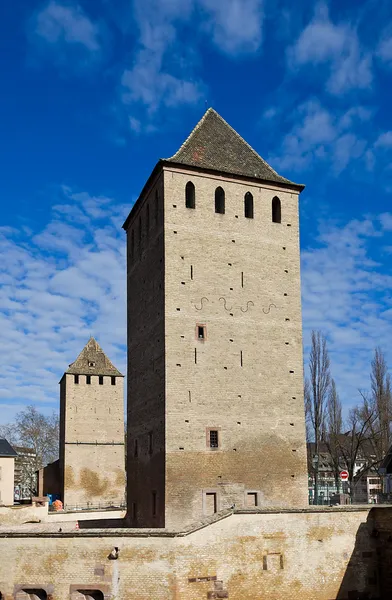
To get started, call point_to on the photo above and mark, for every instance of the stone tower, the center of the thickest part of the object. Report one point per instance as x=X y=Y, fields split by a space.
x=92 y=462
x=215 y=374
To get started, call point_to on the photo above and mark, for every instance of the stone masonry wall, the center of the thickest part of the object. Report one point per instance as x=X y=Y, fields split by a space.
x=240 y=278
x=308 y=556
x=94 y=441
x=146 y=360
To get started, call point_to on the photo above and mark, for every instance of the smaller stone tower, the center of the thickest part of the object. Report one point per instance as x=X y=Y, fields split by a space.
x=92 y=463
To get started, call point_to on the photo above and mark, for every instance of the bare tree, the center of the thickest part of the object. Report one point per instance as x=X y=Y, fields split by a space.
x=333 y=430
x=316 y=394
x=353 y=444
x=38 y=432
x=381 y=401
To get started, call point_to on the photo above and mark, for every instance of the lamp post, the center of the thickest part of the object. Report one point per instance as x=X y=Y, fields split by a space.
x=315 y=462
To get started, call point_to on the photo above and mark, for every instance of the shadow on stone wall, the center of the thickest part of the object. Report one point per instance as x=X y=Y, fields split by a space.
x=361 y=580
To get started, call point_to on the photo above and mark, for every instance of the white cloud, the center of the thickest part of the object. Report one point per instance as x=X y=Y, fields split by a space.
x=346 y=290
x=384 y=51
x=384 y=140
x=163 y=74
x=337 y=46
x=319 y=135
x=235 y=25
x=63 y=32
x=59 y=286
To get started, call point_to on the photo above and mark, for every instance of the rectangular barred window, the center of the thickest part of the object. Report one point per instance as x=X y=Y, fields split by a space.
x=213 y=438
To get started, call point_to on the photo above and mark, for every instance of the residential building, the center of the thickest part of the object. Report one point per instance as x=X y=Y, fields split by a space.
x=7 y=470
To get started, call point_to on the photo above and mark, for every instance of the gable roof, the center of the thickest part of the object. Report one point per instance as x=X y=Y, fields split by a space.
x=215 y=145
x=6 y=449
x=93 y=361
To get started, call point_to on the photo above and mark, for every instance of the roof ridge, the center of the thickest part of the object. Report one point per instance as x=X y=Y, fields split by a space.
x=249 y=146
x=196 y=127
x=213 y=144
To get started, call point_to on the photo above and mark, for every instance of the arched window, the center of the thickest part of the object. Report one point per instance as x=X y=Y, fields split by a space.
x=190 y=195
x=248 y=205
x=220 y=201
x=276 y=210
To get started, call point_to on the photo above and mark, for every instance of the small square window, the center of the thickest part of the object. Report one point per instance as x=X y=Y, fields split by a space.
x=76 y=379
x=214 y=438
x=113 y=379
x=88 y=379
x=91 y=364
x=100 y=378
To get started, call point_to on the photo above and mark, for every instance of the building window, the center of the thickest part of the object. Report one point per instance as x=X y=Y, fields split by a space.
x=154 y=504
x=91 y=364
x=210 y=503
x=88 y=379
x=276 y=210
x=190 y=197
x=100 y=379
x=76 y=379
x=201 y=332
x=251 y=500
x=113 y=380
x=214 y=442
x=248 y=205
x=150 y=442
x=136 y=449
x=220 y=201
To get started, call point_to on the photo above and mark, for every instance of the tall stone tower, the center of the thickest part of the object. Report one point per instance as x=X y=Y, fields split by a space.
x=92 y=461
x=215 y=374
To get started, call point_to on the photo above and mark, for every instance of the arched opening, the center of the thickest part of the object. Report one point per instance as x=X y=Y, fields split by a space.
x=276 y=210
x=91 y=594
x=220 y=201
x=190 y=196
x=248 y=205
x=33 y=594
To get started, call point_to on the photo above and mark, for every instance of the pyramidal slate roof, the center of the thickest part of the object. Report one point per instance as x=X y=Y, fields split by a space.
x=6 y=449
x=93 y=361
x=214 y=145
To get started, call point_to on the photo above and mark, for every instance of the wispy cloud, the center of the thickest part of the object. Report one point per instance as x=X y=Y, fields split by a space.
x=320 y=135
x=337 y=46
x=347 y=289
x=59 y=286
x=235 y=25
x=164 y=71
x=59 y=31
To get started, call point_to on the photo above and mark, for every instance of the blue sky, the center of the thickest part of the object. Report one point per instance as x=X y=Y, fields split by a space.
x=93 y=93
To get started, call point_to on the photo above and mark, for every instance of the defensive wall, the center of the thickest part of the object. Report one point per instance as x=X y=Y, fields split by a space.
x=310 y=554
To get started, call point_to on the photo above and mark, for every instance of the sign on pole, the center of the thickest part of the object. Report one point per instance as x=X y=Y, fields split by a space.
x=344 y=475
